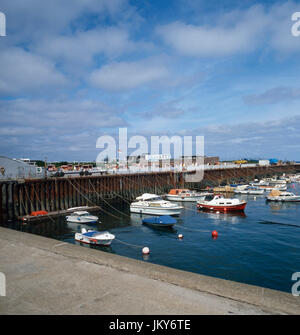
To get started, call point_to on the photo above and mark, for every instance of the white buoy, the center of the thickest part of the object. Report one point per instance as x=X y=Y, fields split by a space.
x=218 y=212
x=180 y=236
x=146 y=251
x=254 y=198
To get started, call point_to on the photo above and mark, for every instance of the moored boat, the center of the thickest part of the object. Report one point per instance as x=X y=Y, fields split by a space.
x=246 y=189
x=185 y=195
x=282 y=196
x=275 y=187
x=160 y=221
x=153 y=204
x=82 y=217
x=219 y=203
x=94 y=237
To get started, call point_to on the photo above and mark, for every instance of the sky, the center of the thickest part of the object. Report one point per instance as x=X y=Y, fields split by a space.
x=72 y=71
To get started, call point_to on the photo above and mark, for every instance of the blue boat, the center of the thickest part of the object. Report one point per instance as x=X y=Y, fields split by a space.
x=160 y=221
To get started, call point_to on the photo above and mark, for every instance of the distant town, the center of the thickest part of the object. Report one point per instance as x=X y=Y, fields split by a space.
x=16 y=168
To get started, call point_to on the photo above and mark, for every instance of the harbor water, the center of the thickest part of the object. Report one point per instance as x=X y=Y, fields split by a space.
x=259 y=247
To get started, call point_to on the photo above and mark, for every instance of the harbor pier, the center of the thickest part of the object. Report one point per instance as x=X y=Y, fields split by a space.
x=46 y=276
x=20 y=197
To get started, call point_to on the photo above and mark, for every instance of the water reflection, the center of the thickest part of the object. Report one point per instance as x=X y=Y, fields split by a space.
x=106 y=248
x=221 y=216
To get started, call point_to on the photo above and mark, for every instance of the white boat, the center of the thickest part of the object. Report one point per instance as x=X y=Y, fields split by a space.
x=246 y=189
x=260 y=183
x=255 y=191
x=222 y=204
x=283 y=196
x=241 y=189
x=277 y=187
x=153 y=204
x=94 y=237
x=180 y=194
x=82 y=217
x=275 y=181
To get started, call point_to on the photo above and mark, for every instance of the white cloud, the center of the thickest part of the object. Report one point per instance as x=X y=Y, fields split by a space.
x=81 y=47
x=238 y=32
x=33 y=19
x=127 y=75
x=23 y=72
x=235 y=32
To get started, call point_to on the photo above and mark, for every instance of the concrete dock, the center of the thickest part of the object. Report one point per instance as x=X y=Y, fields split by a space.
x=46 y=276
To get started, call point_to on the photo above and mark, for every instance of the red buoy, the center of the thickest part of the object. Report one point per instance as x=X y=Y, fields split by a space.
x=214 y=234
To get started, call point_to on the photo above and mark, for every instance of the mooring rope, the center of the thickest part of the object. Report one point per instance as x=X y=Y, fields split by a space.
x=108 y=202
x=186 y=228
x=130 y=244
x=94 y=203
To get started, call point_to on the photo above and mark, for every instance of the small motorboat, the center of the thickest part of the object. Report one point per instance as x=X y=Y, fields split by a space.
x=154 y=205
x=94 y=237
x=241 y=189
x=282 y=196
x=219 y=203
x=246 y=189
x=82 y=217
x=185 y=195
x=160 y=221
x=275 y=187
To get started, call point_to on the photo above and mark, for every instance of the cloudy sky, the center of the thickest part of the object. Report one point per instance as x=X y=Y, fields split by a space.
x=74 y=70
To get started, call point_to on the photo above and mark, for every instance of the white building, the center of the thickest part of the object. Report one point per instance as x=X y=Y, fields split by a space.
x=11 y=169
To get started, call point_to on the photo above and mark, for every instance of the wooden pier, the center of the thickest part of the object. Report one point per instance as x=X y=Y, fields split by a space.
x=21 y=197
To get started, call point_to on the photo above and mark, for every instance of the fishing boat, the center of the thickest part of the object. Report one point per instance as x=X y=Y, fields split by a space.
x=241 y=189
x=219 y=203
x=282 y=196
x=160 y=221
x=275 y=187
x=185 y=195
x=246 y=189
x=94 y=237
x=82 y=217
x=153 y=204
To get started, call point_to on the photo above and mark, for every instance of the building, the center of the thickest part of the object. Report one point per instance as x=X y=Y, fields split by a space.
x=12 y=169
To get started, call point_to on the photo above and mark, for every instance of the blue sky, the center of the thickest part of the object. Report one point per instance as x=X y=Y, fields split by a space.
x=71 y=71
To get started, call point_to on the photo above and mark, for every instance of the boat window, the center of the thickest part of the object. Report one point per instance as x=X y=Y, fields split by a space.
x=209 y=197
x=154 y=199
x=221 y=203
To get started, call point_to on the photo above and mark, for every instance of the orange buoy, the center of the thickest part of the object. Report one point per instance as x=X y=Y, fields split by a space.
x=214 y=234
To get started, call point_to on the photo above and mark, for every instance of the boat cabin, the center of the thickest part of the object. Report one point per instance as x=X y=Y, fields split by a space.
x=177 y=191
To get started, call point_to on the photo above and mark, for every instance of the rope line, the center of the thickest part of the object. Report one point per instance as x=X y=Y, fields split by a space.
x=94 y=203
x=130 y=244
x=202 y=231
x=108 y=202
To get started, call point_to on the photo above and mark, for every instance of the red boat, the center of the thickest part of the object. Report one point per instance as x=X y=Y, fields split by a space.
x=219 y=203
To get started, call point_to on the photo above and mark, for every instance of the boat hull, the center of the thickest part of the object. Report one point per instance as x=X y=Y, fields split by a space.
x=93 y=241
x=296 y=199
x=83 y=221
x=185 y=198
x=155 y=211
x=222 y=208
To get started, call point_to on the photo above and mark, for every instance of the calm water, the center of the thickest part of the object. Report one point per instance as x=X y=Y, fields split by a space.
x=261 y=247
